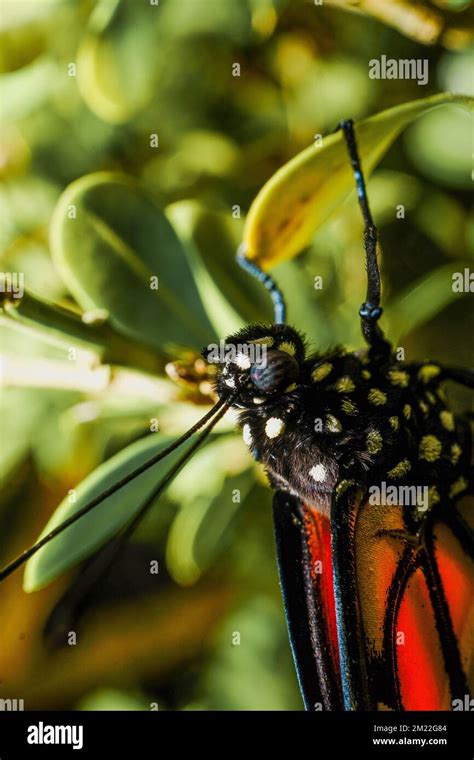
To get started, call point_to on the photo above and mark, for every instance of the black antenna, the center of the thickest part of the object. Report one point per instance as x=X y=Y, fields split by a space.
x=217 y=411
x=370 y=311
x=106 y=555
x=267 y=281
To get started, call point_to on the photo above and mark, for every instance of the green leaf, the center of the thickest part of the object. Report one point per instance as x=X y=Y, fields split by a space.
x=113 y=699
x=191 y=17
x=25 y=90
x=115 y=81
x=91 y=531
x=422 y=300
x=251 y=681
x=62 y=327
x=296 y=201
x=448 y=162
x=26 y=204
x=27 y=30
x=443 y=24
x=22 y=412
x=206 y=493
x=109 y=239
x=231 y=296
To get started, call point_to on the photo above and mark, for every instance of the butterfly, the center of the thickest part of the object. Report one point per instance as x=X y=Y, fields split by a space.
x=373 y=478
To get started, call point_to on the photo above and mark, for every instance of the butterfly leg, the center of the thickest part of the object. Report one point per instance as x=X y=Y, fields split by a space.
x=370 y=311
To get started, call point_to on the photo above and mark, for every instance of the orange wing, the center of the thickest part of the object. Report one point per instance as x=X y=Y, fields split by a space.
x=415 y=607
x=377 y=619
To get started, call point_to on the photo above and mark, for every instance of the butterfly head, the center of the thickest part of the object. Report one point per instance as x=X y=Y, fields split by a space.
x=263 y=361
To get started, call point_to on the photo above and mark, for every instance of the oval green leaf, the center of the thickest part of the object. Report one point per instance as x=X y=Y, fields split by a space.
x=90 y=532
x=109 y=240
x=205 y=492
x=115 y=81
x=296 y=201
x=232 y=297
x=423 y=300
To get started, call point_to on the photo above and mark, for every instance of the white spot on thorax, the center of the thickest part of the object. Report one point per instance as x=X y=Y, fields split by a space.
x=274 y=427
x=318 y=473
x=247 y=434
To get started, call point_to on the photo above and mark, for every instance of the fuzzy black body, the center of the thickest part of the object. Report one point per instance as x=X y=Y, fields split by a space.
x=345 y=416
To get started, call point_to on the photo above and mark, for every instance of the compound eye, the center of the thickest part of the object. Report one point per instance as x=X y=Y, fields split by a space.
x=278 y=371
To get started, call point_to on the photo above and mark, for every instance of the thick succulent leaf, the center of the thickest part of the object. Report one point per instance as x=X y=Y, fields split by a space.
x=210 y=492
x=114 y=81
x=232 y=297
x=90 y=532
x=296 y=201
x=109 y=240
x=201 y=529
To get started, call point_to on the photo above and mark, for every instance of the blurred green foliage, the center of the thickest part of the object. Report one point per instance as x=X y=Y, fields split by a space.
x=127 y=115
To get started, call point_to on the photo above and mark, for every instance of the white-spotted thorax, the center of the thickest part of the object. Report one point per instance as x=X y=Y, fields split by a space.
x=316 y=420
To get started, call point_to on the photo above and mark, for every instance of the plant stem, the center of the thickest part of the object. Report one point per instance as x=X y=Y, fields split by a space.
x=62 y=326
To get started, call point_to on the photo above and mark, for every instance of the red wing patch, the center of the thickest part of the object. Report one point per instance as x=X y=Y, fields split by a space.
x=318 y=531
x=402 y=609
x=457 y=572
x=421 y=671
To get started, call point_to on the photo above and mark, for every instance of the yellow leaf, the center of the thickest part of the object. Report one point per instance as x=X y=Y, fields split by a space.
x=299 y=198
